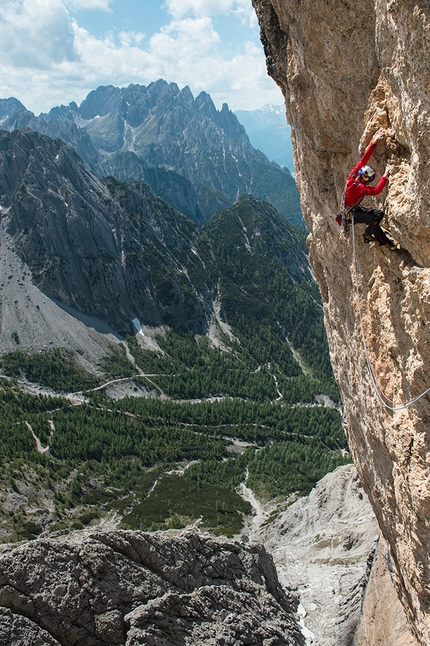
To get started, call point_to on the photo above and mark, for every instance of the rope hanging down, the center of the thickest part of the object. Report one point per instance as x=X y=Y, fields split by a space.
x=383 y=397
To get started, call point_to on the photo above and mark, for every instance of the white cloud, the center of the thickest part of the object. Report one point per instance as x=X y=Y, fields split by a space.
x=243 y=9
x=130 y=38
x=104 y=5
x=46 y=58
x=178 y=40
x=199 y=8
x=35 y=33
x=180 y=8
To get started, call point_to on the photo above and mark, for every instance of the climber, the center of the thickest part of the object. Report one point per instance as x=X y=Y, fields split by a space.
x=356 y=188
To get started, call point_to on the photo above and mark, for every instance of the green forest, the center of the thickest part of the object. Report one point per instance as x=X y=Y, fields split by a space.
x=253 y=401
x=156 y=462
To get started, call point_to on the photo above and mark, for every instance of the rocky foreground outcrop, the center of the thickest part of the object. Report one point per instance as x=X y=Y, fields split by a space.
x=124 y=587
x=349 y=70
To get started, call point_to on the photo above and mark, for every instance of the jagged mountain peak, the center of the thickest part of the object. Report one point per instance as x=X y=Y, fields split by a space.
x=9 y=106
x=134 y=104
x=100 y=102
x=168 y=130
x=205 y=105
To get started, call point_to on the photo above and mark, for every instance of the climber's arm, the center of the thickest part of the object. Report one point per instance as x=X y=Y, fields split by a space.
x=363 y=161
x=375 y=190
x=368 y=153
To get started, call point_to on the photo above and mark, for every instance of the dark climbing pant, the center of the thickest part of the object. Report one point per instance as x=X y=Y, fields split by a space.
x=372 y=217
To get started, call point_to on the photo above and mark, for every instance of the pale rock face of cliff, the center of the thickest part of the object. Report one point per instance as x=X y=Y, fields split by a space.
x=349 y=70
x=383 y=620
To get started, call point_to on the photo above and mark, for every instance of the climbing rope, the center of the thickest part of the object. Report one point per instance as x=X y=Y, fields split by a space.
x=383 y=397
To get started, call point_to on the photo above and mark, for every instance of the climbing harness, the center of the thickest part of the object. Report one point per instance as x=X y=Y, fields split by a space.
x=346 y=213
x=383 y=397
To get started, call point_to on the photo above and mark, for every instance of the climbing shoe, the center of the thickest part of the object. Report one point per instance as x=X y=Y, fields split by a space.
x=390 y=244
x=368 y=238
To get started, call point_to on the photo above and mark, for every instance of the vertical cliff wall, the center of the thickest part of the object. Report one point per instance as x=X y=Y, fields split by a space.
x=349 y=70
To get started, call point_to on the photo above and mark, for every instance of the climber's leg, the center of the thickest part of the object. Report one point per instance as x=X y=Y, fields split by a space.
x=372 y=217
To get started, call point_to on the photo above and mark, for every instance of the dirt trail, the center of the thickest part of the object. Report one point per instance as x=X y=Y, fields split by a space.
x=39 y=447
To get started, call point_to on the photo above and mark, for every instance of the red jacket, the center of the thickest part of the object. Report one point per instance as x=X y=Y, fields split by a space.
x=355 y=190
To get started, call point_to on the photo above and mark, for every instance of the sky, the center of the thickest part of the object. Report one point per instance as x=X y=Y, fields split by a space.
x=53 y=52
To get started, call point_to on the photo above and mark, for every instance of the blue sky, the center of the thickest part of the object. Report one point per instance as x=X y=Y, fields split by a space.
x=56 y=51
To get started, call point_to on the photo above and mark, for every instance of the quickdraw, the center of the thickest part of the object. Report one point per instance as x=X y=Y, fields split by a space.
x=346 y=221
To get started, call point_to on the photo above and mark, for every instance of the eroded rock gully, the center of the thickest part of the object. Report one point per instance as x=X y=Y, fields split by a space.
x=348 y=70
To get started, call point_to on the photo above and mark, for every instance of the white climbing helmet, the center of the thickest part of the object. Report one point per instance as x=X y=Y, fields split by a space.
x=366 y=174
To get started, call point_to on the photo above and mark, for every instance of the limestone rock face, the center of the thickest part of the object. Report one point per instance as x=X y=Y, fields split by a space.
x=132 y=588
x=383 y=620
x=349 y=70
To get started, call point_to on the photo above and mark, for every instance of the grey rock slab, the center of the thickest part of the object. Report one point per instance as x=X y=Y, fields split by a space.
x=124 y=587
x=323 y=545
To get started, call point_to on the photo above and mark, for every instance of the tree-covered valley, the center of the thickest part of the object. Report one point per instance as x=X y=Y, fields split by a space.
x=170 y=422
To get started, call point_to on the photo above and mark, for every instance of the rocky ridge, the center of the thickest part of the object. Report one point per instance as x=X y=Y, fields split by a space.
x=197 y=158
x=89 y=243
x=348 y=71
x=133 y=588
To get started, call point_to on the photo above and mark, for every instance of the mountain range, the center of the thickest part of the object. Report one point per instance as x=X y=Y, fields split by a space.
x=102 y=281
x=197 y=158
x=118 y=252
